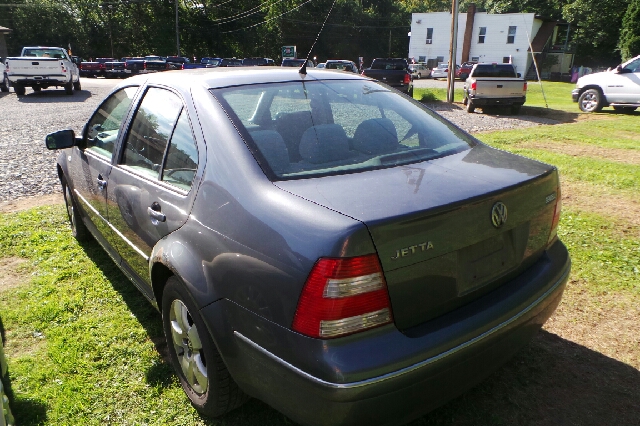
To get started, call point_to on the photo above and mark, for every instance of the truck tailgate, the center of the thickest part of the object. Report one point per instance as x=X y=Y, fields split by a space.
x=25 y=66
x=488 y=87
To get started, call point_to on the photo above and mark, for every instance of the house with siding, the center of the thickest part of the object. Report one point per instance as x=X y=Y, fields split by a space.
x=487 y=37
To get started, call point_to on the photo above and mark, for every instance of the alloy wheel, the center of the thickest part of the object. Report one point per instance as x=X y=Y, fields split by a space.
x=188 y=347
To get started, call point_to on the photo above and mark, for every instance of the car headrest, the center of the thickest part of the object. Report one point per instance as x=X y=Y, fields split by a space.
x=273 y=148
x=376 y=136
x=324 y=143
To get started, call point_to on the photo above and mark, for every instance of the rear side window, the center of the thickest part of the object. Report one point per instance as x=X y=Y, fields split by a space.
x=298 y=130
x=160 y=144
x=104 y=127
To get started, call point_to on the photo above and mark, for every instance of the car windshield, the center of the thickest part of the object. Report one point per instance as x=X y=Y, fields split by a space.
x=305 y=129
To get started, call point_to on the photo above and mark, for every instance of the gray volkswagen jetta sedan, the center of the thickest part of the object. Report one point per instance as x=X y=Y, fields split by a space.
x=316 y=240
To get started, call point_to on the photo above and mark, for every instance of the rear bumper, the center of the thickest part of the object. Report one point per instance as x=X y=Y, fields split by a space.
x=44 y=81
x=520 y=100
x=383 y=376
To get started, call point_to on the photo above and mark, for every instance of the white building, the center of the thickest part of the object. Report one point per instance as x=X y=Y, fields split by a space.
x=485 y=37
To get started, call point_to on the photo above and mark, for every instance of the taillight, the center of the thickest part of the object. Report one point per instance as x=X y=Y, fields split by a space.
x=343 y=296
x=525 y=86
x=553 y=234
x=144 y=65
x=474 y=85
x=407 y=79
x=102 y=66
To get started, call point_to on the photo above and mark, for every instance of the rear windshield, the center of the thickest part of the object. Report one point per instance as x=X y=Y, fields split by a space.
x=384 y=64
x=45 y=53
x=299 y=130
x=494 y=70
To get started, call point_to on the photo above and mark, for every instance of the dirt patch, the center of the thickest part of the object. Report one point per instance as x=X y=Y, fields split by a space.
x=605 y=323
x=627 y=156
x=31 y=202
x=591 y=198
x=11 y=273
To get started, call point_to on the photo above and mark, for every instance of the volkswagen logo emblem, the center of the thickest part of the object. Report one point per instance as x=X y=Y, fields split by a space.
x=498 y=214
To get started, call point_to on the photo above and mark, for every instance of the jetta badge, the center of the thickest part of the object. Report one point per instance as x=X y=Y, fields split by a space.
x=498 y=214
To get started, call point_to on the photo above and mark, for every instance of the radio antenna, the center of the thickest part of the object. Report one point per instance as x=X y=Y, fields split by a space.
x=303 y=68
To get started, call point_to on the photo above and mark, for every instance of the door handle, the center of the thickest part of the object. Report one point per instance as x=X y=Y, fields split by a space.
x=102 y=184
x=155 y=213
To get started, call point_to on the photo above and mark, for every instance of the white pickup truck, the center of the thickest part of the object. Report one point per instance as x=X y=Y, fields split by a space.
x=619 y=88
x=42 y=67
x=494 y=85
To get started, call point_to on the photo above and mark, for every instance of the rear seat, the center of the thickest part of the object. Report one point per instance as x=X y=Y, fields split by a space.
x=291 y=126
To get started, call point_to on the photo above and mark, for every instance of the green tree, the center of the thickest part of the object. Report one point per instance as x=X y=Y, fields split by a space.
x=629 y=43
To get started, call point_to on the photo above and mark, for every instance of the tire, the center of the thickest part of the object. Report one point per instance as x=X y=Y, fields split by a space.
x=20 y=90
x=68 y=88
x=590 y=101
x=515 y=109
x=4 y=87
x=194 y=356
x=470 y=106
x=78 y=228
x=76 y=85
x=410 y=92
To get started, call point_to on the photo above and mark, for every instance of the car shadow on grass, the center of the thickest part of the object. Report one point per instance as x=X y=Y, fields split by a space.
x=552 y=381
x=52 y=95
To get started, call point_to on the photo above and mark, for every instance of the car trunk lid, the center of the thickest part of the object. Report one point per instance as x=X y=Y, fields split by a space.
x=432 y=224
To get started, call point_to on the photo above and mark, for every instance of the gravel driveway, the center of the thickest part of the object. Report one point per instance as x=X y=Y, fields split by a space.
x=27 y=168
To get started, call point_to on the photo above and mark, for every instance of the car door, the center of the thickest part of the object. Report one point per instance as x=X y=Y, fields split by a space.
x=624 y=86
x=89 y=164
x=150 y=184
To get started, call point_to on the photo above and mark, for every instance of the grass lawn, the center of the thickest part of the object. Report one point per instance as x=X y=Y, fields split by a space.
x=85 y=347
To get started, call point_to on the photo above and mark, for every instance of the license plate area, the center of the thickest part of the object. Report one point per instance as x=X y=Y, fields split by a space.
x=485 y=261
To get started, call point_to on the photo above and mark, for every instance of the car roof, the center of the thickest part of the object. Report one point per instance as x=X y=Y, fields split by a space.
x=213 y=78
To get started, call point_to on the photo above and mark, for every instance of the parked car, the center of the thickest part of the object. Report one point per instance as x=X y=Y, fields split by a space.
x=41 y=67
x=6 y=417
x=316 y=240
x=297 y=63
x=463 y=71
x=145 y=65
x=341 y=64
x=116 y=68
x=494 y=85
x=95 y=68
x=419 y=71
x=618 y=88
x=391 y=71
x=249 y=62
x=221 y=62
x=442 y=70
x=183 y=63
x=4 y=84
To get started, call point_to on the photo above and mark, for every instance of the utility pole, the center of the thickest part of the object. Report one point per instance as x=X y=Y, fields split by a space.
x=177 y=32
x=389 y=44
x=453 y=46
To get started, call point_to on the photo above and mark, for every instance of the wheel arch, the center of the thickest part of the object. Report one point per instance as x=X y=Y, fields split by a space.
x=596 y=87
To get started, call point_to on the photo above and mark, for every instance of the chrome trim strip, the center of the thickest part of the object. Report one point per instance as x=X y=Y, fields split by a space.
x=113 y=228
x=410 y=368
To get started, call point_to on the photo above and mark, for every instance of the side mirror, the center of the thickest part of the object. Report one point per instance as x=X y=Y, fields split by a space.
x=61 y=139
x=519 y=75
x=619 y=69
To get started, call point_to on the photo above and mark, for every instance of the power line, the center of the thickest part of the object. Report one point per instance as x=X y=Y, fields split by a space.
x=268 y=20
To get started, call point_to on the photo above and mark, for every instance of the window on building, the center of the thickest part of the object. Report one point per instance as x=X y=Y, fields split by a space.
x=482 y=34
x=511 y=38
x=475 y=59
x=440 y=59
x=506 y=59
x=422 y=59
x=429 y=35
